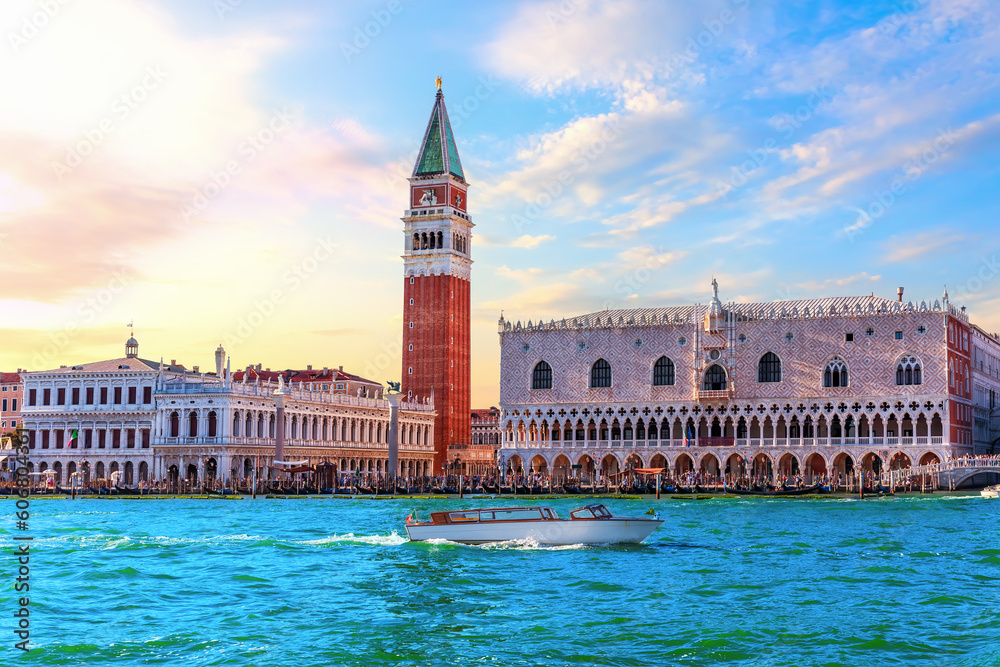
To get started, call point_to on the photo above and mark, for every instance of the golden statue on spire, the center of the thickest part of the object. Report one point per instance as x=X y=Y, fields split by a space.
x=437 y=82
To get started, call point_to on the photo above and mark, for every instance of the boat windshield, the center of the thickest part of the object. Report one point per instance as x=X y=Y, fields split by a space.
x=591 y=512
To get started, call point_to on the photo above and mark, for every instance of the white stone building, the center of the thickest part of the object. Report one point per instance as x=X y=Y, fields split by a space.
x=151 y=420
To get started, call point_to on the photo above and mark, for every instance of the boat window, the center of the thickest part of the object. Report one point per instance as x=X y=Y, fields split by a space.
x=457 y=517
x=518 y=514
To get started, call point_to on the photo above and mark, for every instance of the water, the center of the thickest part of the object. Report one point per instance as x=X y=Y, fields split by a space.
x=902 y=581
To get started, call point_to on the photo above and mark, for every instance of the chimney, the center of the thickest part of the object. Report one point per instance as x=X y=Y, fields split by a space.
x=899 y=294
x=220 y=360
x=325 y=370
x=194 y=369
x=341 y=369
x=309 y=367
x=258 y=368
x=173 y=362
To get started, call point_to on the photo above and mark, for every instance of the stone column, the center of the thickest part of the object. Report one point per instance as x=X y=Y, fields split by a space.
x=393 y=436
x=279 y=427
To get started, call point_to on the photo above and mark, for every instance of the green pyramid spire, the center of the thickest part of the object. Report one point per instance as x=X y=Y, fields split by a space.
x=438 y=154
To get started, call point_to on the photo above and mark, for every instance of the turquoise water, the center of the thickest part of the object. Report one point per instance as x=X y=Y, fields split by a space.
x=902 y=581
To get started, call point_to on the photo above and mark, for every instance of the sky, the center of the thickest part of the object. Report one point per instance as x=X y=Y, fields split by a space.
x=234 y=171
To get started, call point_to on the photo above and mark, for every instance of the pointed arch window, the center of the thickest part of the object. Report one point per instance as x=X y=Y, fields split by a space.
x=541 y=376
x=663 y=372
x=600 y=374
x=715 y=378
x=769 y=368
x=835 y=373
x=909 y=371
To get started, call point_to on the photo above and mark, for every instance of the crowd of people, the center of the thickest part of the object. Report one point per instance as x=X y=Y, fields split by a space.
x=531 y=482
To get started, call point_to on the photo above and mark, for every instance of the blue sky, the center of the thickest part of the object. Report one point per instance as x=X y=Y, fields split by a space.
x=248 y=179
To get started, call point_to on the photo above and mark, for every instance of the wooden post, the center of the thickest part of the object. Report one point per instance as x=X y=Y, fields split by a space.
x=460 y=485
x=657 y=486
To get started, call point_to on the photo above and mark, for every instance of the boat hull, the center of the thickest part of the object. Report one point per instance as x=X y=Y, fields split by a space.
x=555 y=533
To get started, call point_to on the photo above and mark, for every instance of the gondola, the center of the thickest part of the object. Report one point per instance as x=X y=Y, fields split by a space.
x=523 y=490
x=127 y=490
x=69 y=492
x=775 y=493
x=221 y=492
x=490 y=488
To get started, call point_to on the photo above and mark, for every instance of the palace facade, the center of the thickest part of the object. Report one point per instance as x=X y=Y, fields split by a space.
x=790 y=387
x=148 y=419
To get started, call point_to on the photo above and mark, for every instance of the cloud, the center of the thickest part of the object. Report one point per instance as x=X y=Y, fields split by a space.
x=816 y=288
x=904 y=248
x=528 y=241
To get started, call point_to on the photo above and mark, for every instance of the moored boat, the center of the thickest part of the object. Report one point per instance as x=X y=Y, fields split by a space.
x=991 y=491
x=592 y=524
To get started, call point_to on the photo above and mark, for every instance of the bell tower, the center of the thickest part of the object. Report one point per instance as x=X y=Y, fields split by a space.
x=436 y=278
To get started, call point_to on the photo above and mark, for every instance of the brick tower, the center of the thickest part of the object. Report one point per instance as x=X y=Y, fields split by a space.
x=437 y=269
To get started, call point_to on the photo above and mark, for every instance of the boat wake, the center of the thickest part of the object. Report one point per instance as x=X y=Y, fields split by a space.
x=391 y=540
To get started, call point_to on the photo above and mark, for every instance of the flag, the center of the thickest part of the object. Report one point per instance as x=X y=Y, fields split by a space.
x=409 y=519
x=72 y=438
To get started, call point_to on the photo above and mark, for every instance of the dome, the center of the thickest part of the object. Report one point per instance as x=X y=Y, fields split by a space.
x=132 y=341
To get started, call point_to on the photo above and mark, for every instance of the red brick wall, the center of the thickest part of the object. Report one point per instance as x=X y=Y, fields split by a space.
x=960 y=404
x=440 y=359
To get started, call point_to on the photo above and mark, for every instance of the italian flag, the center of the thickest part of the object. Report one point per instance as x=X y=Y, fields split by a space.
x=72 y=438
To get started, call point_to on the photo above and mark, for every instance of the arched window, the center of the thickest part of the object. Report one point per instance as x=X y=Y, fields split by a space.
x=175 y=425
x=541 y=377
x=433 y=241
x=715 y=378
x=908 y=371
x=769 y=368
x=663 y=372
x=600 y=374
x=835 y=374
x=416 y=241
x=440 y=240
x=193 y=425
x=212 y=424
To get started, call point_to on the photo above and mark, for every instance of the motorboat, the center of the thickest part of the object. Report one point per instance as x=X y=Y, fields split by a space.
x=591 y=524
x=991 y=491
